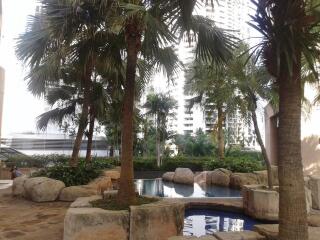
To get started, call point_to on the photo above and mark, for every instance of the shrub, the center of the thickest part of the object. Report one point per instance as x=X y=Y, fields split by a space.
x=235 y=164
x=44 y=161
x=70 y=176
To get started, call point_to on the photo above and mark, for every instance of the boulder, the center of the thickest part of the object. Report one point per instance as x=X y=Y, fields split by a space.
x=168 y=176
x=95 y=224
x=314 y=184
x=114 y=174
x=238 y=180
x=43 y=189
x=156 y=221
x=260 y=203
x=262 y=176
x=203 y=178
x=18 y=186
x=244 y=235
x=220 y=177
x=183 y=176
x=101 y=184
x=70 y=194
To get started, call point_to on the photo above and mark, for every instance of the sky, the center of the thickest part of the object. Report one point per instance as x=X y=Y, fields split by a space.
x=20 y=107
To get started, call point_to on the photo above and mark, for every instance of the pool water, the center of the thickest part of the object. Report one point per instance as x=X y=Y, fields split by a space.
x=205 y=222
x=156 y=187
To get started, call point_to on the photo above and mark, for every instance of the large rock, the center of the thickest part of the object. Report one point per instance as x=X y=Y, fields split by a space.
x=314 y=184
x=70 y=194
x=156 y=221
x=244 y=235
x=260 y=203
x=18 y=186
x=101 y=184
x=203 y=178
x=43 y=189
x=184 y=176
x=238 y=180
x=262 y=176
x=168 y=176
x=95 y=224
x=114 y=175
x=220 y=177
x=271 y=231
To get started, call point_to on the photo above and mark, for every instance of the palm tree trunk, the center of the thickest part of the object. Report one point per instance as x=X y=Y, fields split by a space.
x=126 y=194
x=263 y=149
x=90 y=135
x=293 y=213
x=158 y=143
x=84 y=114
x=220 y=133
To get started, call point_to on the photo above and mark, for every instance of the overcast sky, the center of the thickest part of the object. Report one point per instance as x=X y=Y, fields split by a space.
x=20 y=107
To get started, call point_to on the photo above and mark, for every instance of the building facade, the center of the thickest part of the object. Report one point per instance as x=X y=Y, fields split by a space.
x=231 y=15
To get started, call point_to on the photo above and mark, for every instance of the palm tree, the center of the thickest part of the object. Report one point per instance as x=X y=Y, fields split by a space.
x=149 y=27
x=63 y=34
x=253 y=82
x=290 y=31
x=160 y=106
x=211 y=85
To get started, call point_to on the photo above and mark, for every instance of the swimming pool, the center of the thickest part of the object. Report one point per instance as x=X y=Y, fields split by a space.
x=157 y=187
x=200 y=222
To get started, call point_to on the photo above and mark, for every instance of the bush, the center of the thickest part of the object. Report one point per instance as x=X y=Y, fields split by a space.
x=235 y=164
x=44 y=161
x=70 y=176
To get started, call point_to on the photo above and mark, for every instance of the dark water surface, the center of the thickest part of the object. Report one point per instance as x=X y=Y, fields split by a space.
x=200 y=222
x=156 y=187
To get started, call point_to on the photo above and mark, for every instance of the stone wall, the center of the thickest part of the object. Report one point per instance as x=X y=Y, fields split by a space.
x=156 y=221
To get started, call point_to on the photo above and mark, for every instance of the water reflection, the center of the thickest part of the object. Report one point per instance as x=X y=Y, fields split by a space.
x=205 y=222
x=156 y=187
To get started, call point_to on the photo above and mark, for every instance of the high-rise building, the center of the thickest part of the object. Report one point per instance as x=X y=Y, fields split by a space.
x=230 y=15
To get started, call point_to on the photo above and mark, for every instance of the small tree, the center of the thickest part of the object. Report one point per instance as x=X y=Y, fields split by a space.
x=160 y=107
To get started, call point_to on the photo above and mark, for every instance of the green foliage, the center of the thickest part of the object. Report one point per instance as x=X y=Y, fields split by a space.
x=44 y=161
x=235 y=164
x=80 y=175
x=198 y=145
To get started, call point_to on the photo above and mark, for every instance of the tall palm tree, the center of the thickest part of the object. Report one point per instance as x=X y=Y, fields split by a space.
x=63 y=34
x=149 y=26
x=212 y=86
x=253 y=83
x=290 y=31
x=160 y=106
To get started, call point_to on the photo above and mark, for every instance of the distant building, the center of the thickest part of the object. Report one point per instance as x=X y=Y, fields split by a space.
x=227 y=14
x=310 y=134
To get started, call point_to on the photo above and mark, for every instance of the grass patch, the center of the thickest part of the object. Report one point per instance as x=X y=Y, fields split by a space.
x=114 y=205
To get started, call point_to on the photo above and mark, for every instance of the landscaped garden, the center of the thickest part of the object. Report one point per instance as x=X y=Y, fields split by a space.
x=91 y=62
